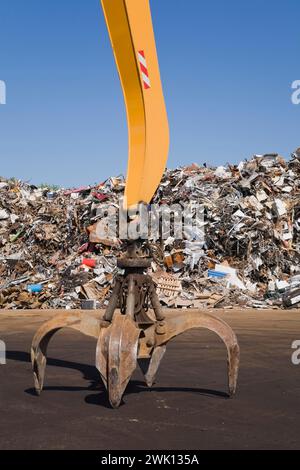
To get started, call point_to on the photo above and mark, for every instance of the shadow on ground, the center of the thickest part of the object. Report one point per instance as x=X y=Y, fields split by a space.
x=91 y=375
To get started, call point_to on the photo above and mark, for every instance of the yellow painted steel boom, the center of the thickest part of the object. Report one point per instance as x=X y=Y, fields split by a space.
x=131 y=33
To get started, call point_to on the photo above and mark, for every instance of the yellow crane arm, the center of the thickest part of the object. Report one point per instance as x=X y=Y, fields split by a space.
x=131 y=33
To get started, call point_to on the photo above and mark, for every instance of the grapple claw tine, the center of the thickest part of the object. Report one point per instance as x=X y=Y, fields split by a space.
x=233 y=368
x=38 y=366
x=78 y=320
x=178 y=323
x=116 y=355
x=150 y=366
x=39 y=355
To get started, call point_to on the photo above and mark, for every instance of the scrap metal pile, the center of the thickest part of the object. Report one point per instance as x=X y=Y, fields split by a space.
x=52 y=258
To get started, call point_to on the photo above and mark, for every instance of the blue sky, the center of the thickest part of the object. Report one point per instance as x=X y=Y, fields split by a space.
x=227 y=69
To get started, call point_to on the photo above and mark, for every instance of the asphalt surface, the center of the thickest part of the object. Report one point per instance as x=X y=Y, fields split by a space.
x=188 y=407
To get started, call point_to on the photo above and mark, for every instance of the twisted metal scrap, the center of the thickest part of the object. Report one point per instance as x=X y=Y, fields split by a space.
x=122 y=343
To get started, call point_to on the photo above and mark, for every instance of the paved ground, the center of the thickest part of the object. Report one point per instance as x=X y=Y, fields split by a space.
x=186 y=409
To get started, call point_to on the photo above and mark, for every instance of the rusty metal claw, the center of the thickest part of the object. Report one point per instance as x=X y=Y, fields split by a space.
x=179 y=322
x=86 y=324
x=150 y=366
x=133 y=334
x=116 y=355
x=123 y=342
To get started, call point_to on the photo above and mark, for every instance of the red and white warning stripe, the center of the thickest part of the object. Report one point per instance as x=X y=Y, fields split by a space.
x=144 y=70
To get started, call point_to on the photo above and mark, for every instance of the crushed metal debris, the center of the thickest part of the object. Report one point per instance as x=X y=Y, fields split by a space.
x=52 y=257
